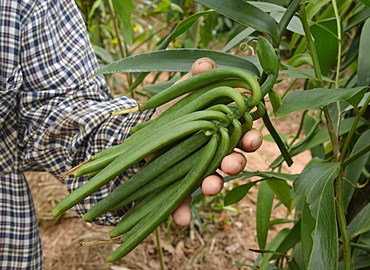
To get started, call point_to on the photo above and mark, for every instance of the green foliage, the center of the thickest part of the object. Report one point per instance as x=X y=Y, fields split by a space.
x=326 y=44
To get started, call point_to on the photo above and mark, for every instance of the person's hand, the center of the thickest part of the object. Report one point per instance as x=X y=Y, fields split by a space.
x=232 y=164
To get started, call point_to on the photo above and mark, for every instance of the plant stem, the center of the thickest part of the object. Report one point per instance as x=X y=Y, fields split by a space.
x=341 y=218
x=339 y=37
x=160 y=252
x=319 y=80
x=119 y=41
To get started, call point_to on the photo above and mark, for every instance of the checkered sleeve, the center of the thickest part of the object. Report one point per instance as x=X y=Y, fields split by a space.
x=54 y=114
x=64 y=112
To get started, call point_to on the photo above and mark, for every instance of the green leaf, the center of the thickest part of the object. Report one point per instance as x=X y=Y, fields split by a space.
x=365 y=2
x=238 y=39
x=363 y=72
x=103 y=54
x=268 y=174
x=316 y=183
x=272 y=245
x=314 y=99
x=280 y=221
x=124 y=10
x=361 y=223
x=263 y=212
x=182 y=27
x=282 y=191
x=277 y=12
x=308 y=226
x=290 y=240
x=299 y=60
x=360 y=15
x=247 y=14
x=353 y=171
x=238 y=193
x=301 y=74
x=326 y=43
x=176 y=60
x=318 y=138
x=269 y=138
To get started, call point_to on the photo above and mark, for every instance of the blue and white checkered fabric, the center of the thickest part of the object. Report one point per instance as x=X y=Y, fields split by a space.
x=53 y=115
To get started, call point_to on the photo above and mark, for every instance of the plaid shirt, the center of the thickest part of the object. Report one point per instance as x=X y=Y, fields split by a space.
x=53 y=115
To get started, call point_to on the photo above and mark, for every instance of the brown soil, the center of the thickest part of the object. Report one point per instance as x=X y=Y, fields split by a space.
x=223 y=239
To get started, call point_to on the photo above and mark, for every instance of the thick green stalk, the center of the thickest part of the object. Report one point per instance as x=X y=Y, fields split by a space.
x=339 y=37
x=341 y=218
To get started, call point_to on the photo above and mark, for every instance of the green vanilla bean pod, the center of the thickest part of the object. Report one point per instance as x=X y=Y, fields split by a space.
x=236 y=135
x=222 y=151
x=147 y=173
x=198 y=81
x=172 y=196
x=102 y=161
x=190 y=97
x=135 y=215
x=195 y=101
x=222 y=108
x=199 y=103
x=129 y=158
x=174 y=173
x=247 y=122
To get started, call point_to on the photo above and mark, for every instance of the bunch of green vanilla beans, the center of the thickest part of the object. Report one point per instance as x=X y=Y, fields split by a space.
x=190 y=140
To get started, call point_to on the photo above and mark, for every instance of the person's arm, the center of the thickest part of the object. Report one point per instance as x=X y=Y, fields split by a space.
x=64 y=113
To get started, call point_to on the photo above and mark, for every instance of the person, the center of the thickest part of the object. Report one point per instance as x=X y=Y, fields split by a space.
x=54 y=114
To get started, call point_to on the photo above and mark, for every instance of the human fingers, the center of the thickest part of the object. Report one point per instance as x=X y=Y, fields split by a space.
x=182 y=214
x=233 y=163
x=212 y=185
x=251 y=141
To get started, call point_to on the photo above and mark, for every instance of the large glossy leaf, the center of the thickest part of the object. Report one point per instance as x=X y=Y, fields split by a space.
x=316 y=183
x=246 y=14
x=361 y=223
x=326 y=43
x=363 y=72
x=176 y=60
x=263 y=212
x=314 y=99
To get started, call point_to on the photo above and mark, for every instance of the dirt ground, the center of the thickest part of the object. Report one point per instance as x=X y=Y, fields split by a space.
x=223 y=239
